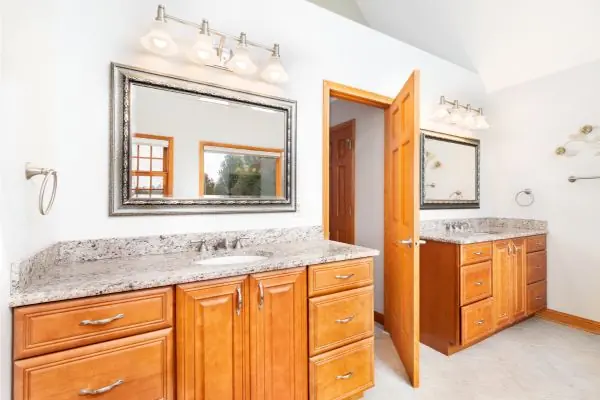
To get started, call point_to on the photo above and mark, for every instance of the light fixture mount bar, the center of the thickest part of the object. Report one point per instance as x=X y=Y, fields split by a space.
x=456 y=104
x=162 y=16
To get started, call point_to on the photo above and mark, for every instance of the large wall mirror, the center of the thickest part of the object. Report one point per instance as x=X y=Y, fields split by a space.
x=185 y=147
x=449 y=171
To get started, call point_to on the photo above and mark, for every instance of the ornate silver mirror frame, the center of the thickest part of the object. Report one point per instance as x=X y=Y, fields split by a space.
x=450 y=203
x=122 y=79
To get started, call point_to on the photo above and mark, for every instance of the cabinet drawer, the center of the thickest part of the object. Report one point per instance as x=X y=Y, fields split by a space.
x=475 y=282
x=137 y=367
x=536 y=297
x=536 y=243
x=477 y=320
x=46 y=328
x=338 y=276
x=536 y=267
x=476 y=252
x=342 y=373
x=340 y=318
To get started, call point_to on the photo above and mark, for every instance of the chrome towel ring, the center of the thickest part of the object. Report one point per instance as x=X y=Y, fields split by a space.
x=525 y=203
x=30 y=172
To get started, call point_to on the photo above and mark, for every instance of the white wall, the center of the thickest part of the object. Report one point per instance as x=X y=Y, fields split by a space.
x=190 y=121
x=530 y=121
x=368 y=158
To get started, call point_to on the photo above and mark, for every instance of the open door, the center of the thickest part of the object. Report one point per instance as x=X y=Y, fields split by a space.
x=402 y=225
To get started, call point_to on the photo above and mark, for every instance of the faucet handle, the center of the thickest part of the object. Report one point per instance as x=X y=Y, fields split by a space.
x=238 y=244
x=201 y=245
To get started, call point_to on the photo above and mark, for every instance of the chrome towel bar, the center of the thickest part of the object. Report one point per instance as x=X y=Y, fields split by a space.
x=30 y=172
x=573 y=179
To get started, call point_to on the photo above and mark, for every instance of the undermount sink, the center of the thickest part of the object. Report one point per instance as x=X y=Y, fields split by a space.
x=227 y=260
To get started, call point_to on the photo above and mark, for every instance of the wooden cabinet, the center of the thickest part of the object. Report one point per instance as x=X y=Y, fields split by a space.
x=470 y=291
x=278 y=336
x=212 y=344
x=137 y=367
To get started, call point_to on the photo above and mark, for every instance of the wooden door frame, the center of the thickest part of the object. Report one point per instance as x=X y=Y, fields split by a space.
x=352 y=124
x=348 y=93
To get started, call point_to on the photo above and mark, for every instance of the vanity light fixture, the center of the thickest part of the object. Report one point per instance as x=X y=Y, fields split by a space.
x=206 y=52
x=453 y=112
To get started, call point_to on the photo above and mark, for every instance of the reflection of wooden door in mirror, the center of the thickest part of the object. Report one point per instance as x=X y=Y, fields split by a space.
x=341 y=182
x=151 y=166
x=401 y=218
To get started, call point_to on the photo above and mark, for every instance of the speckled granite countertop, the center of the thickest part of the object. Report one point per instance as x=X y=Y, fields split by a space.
x=468 y=237
x=83 y=279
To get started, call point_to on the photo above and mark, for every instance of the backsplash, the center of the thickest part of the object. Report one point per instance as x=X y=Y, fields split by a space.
x=23 y=272
x=479 y=224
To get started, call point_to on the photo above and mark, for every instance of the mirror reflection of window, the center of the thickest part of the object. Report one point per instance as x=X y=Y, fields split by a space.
x=240 y=171
x=151 y=156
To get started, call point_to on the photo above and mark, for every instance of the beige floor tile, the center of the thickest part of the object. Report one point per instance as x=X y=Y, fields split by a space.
x=534 y=360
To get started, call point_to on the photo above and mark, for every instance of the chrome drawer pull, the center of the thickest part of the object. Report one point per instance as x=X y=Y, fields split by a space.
x=102 y=321
x=480 y=322
x=478 y=283
x=538 y=267
x=92 y=392
x=344 y=276
x=345 y=320
x=538 y=298
x=477 y=253
x=240 y=301
x=345 y=376
x=261 y=295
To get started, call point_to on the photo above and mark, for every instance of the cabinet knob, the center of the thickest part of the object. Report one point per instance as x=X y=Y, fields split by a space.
x=480 y=322
x=478 y=283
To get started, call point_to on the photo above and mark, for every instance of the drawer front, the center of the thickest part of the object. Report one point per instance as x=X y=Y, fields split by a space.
x=477 y=320
x=341 y=318
x=536 y=297
x=46 y=328
x=137 y=367
x=536 y=243
x=342 y=373
x=475 y=253
x=536 y=267
x=475 y=282
x=338 y=276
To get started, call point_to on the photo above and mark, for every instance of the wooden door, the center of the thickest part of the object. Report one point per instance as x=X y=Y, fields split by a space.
x=519 y=279
x=212 y=347
x=401 y=189
x=278 y=335
x=502 y=282
x=341 y=182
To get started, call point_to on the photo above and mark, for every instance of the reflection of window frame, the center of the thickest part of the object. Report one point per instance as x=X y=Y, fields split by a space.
x=167 y=172
x=278 y=177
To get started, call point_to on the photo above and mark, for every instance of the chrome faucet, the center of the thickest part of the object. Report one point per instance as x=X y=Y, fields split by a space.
x=238 y=244
x=222 y=244
x=201 y=245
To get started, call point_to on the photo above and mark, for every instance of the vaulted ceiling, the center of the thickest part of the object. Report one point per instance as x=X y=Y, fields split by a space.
x=506 y=42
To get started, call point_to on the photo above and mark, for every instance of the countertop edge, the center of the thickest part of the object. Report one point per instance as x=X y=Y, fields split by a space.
x=450 y=238
x=20 y=299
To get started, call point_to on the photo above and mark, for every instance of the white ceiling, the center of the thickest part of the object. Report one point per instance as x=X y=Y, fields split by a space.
x=507 y=42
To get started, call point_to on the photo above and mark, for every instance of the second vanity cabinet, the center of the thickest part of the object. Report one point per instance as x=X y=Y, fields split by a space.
x=292 y=334
x=470 y=291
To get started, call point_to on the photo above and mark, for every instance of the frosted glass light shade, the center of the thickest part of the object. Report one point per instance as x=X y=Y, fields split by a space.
x=468 y=121
x=159 y=41
x=274 y=71
x=481 y=122
x=441 y=113
x=241 y=63
x=455 y=117
x=203 y=51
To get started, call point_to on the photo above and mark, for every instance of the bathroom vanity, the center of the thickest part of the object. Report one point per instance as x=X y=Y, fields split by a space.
x=295 y=324
x=477 y=282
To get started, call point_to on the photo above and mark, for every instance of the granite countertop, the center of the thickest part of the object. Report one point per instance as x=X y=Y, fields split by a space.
x=84 y=279
x=468 y=237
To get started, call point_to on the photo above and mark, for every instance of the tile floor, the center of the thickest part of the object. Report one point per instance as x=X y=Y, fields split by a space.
x=534 y=360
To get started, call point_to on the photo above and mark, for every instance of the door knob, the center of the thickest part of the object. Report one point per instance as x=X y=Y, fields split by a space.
x=408 y=242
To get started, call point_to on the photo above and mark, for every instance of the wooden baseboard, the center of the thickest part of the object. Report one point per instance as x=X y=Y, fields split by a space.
x=570 y=320
x=379 y=318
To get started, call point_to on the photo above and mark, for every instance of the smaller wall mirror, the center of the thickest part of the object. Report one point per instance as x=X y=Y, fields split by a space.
x=449 y=171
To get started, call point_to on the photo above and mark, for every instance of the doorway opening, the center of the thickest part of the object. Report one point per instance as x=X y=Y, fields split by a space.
x=371 y=197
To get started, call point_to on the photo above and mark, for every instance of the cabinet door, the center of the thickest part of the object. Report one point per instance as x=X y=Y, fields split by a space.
x=502 y=282
x=278 y=338
x=519 y=279
x=212 y=350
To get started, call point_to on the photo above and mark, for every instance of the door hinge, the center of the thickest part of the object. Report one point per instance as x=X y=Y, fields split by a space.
x=349 y=143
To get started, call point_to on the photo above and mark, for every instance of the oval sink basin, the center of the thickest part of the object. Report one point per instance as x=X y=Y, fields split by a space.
x=230 y=260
